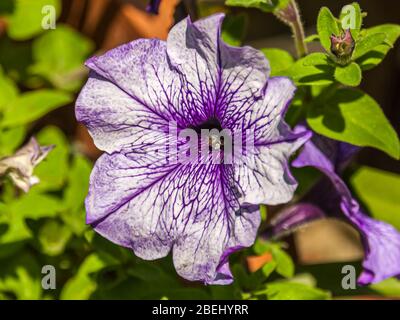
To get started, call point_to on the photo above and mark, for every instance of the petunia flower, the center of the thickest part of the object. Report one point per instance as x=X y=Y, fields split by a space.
x=139 y=197
x=331 y=197
x=19 y=167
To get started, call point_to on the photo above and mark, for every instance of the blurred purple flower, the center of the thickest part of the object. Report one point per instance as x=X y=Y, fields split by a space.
x=203 y=211
x=19 y=167
x=331 y=197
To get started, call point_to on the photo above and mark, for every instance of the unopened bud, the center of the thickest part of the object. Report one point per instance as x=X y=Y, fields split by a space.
x=343 y=46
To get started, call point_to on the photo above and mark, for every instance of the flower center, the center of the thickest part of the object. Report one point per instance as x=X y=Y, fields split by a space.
x=215 y=139
x=210 y=124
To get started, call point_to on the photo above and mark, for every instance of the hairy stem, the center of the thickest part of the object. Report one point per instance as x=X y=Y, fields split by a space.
x=291 y=17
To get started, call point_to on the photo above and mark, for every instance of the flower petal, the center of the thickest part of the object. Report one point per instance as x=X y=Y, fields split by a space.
x=188 y=207
x=381 y=244
x=381 y=241
x=204 y=211
x=20 y=165
x=292 y=218
x=220 y=76
x=264 y=174
x=114 y=119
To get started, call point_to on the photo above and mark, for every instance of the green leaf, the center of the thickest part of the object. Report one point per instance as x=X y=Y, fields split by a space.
x=379 y=191
x=352 y=116
x=82 y=285
x=264 y=5
x=314 y=69
x=279 y=60
x=263 y=212
x=349 y=75
x=294 y=291
x=368 y=43
x=59 y=57
x=31 y=106
x=389 y=287
x=20 y=276
x=283 y=262
x=312 y=38
x=11 y=139
x=326 y=26
x=6 y=7
x=8 y=92
x=53 y=170
x=268 y=268
x=35 y=205
x=75 y=194
x=347 y=14
x=375 y=57
x=15 y=234
x=315 y=59
x=234 y=29
x=15 y=57
x=53 y=237
x=78 y=183
x=26 y=19
x=285 y=265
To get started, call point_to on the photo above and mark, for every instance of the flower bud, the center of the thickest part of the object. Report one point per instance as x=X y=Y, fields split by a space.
x=343 y=46
x=19 y=167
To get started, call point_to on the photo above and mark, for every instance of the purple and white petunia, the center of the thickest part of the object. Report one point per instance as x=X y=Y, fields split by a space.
x=203 y=211
x=331 y=197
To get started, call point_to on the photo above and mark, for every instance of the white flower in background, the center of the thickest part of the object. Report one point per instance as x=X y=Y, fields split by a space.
x=19 y=167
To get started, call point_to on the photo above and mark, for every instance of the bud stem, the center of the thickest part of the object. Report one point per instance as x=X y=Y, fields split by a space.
x=291 y=17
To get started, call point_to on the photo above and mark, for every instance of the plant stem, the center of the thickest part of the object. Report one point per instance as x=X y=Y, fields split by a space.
x=291 y=17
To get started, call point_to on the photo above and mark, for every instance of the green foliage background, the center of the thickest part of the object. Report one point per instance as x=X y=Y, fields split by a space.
x=41 y=71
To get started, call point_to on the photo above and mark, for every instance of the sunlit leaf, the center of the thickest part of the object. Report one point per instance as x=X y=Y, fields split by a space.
x=21 y=277
x=75 y=193
x=26 y=18
x=351 y=13
x=349 y=75
x=380 y=191
x=279 y=60
x=11 y=139
x=53 y=237
x=352 y=116
x=314 y=69
x=326 y=26
x=31 y=106
x=264 y=5
x=375 y=57
x=59 y=57
x=8 y=92
x=82 y=285
x=368 y=44
x=294 y=291
x=52 y=172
